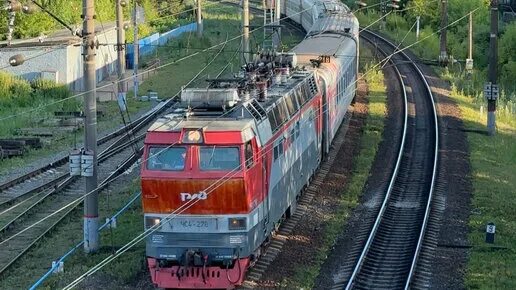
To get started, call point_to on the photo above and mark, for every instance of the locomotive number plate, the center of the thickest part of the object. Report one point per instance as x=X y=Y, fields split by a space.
x=193 y=225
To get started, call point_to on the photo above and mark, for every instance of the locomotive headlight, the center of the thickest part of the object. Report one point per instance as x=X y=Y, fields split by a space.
x=151 y=221
x=192 y=136
x=239 y=223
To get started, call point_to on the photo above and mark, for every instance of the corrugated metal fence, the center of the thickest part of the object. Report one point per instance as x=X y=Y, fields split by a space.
x=149 y=44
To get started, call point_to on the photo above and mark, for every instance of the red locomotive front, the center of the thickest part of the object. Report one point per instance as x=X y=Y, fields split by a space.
x=203 y=184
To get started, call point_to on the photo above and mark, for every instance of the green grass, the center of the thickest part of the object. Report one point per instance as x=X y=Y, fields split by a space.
x=371 y=137
x=170 y=79
x=493 y=162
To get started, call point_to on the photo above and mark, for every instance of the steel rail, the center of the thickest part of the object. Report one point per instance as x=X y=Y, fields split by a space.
x=434 y=173
x=131 y=127
x=120 y=170
x=393 y=179
x=380 y=216
x=103 y=156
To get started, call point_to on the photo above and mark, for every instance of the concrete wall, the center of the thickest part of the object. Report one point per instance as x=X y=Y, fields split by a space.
x=106 y=59
x=42 y=58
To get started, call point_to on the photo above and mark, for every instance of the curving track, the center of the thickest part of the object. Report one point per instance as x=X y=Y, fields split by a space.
x=390 y=251
x=390 y=254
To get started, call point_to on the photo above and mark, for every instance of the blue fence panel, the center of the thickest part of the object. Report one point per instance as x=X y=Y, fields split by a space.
x=149 y=44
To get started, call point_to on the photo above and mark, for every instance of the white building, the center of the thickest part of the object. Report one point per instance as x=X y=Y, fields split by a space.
x=59 y=57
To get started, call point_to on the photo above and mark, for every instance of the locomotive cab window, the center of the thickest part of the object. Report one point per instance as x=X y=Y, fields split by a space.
x=218 y=158
x=168 y=159
x=249 y=155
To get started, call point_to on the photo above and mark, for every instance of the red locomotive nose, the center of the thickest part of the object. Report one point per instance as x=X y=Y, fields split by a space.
x=165 y=195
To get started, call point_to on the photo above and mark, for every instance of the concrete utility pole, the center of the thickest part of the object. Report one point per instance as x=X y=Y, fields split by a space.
x=120 y=46
x=469 y=60
x=199 y=18
x=245 y=31
x=277 y=15
x=491 y=88
x=383 y=24
x=443 y=56
x=91 y=202
x=470 y=52
x=136 y=48
x=417 y=27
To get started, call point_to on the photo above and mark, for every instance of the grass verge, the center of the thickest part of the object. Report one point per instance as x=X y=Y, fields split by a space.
x=60 y=142
x=493 y=163
x=371 y=137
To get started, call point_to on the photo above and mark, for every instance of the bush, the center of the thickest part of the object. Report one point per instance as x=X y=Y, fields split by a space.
x=428 y=48
x=14 y=90
x=47 y=89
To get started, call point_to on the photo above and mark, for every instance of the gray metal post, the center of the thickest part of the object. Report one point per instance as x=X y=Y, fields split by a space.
x=199 y=18
x=470 y=51
x=91 y=210
x=277 y=15
x=10 y=24
x=120 y=40
x=443 y=56
x=417 y=27
x=383 y=24
x=245 y=30
x=136 y=52
x=493 y=67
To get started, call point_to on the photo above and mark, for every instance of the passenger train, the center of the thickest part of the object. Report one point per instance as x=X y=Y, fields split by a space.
x=232 y=160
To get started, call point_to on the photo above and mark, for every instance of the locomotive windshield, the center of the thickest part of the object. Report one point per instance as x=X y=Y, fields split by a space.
x=219 y=158
x=163 y=158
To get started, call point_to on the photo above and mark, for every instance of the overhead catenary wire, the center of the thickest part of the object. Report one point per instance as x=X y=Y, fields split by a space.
x=401 y=42
x=140 y=73
x=450 y=24
x=82 y=197
x=144 y=234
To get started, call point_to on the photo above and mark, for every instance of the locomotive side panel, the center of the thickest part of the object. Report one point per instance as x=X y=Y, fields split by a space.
x=296 y=155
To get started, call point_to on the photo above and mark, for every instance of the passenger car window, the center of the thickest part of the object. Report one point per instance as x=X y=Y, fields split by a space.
x=219 y=158
x=168 y=159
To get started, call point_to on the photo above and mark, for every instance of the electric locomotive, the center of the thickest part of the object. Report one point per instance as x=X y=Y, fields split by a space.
x=230 y=162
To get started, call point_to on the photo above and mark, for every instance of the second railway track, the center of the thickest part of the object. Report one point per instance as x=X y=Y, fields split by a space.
x=389 y=257
x=390 y=254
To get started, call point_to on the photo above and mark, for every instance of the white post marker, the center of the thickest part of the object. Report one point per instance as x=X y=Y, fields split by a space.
x=490 y=233
x=59 y=268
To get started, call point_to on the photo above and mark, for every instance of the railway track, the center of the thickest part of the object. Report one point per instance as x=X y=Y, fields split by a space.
x=48 y=176
x=55 y=188
x=390 y=254
x=16 y=234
